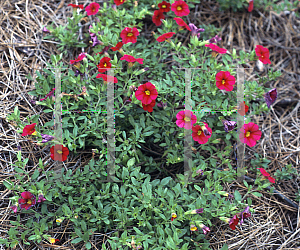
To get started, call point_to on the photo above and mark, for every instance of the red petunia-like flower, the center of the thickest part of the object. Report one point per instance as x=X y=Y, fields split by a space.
x=129 y=35
x=130 y=58
x=216 y=48
x=264 y=173
x=119 y=2
x=164 y=6
x=199 y=134
x=117 y=47
x=146 y=93
x=263 y=54
x=243 y=108
x=149 y=107
x=27 y=201
x=181 y=23
x=224 y=80
x=180 y=8
x=104 y=77
x=79 y=58
x=165 y=36
x=183 y=119
x=157 y=16
x=233 y=222
x=251 y=134
x=92 y=9
x=76 y=6
x=250 y=8
x=59 y=153
x=104 y=64
x=29 y=129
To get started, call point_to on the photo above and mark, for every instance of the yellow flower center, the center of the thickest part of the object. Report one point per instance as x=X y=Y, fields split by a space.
x=121 y=1
x=179 y=8
x=147 y=92
x=174 y=215
x=223 y=81
x=193 y=228
x=187 y=119
x=59 y=151
x=164 y=6
x=199 y=132
x=129 y=34
x=130 y=64
x=93 y=9
x=104 y=65
x=247 y=134
x=29 y=202
x=52 y=240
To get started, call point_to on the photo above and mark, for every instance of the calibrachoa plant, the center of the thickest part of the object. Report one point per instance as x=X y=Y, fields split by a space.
x=147 y=98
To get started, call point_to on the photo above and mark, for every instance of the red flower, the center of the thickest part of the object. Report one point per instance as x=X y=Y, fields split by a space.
x=243 y=108
x=157 y=15
x=104 y=77
x=264 y=173
x=263 y=54
x=27 y=201
x=250 y=8
x=225 y=81
x=271 y=179
x=78 y=59
x=199 y=135
x=118 y=46
x=180 y=8
x=164 y=6
x=216 y=48
x=183 y=121
x=181 y=23
x=119 y=2
x=59 y=153
x=165 y=36
x=104 y=64
x=131 y=59
x=29 y=129
x=251 y=134
x=233 y=222
x=129 y=35
x=92 y=9
x=76 y=6
x=149 y=107
x=146 y=93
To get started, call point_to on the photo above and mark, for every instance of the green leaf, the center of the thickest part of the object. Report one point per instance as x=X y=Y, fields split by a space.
x=77 y=240
x=7 y=184
x=237 y=195
x=131 y=162
x=257 y=194
x=165 y=181
x=225 y=247
x=35 y=174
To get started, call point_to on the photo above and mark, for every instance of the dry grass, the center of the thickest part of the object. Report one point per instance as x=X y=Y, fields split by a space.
x=275 y=225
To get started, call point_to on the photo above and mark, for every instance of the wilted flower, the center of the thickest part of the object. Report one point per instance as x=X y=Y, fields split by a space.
x=215 y=39
x=195 y=211
x=195 y=30
x=46 y=138
x=204 y=228
x=270 y=97
x=199 y=171
x=229 y=125
x=50 y=94
x=233 y=222
x=173 y=216
x=41 y=197
x=193 y=227
x=244 y=214
x=15 y=207
x=46 y=30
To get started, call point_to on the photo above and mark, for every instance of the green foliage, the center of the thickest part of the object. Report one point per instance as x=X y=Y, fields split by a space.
x=286 y=173
x=267 y=5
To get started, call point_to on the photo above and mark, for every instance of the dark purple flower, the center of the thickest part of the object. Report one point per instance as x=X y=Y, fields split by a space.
x=46 y=30
x=229 y=125
x=46 y=138
x=33 y=101
x=244 y=214
x=77 y=72
x=96 y=41
x=215 y=39
x=195 y=31
x=114 y=7
x=270 y=97
x=146 y=69
x=19 y=148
